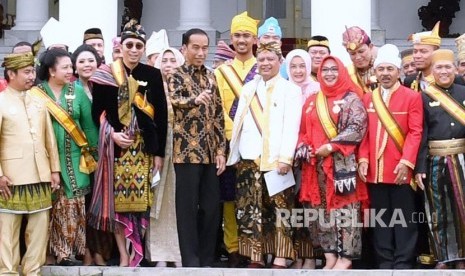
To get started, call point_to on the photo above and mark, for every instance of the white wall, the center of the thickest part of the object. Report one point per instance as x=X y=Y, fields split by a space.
x=78 y=18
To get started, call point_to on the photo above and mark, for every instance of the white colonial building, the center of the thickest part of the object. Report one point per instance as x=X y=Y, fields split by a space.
x=389 y=20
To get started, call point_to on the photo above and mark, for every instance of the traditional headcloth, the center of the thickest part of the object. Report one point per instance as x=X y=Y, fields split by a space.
x=406 y=55
x=272 y=46
x=270 y=26
x=427 y=38
x=318 y=40
x=442 y=55
x=243 y=22
x=223 y=51
x=156 y=43
x=388 y=53
x=133 y=30
x=460 y=43
x=354 y=37
x=18 y=61
x=92 y=33
x=179 y=57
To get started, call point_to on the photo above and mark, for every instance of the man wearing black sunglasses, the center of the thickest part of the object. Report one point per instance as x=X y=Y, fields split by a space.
x=132 y=97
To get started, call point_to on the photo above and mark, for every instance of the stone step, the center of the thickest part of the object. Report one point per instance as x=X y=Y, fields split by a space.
x=145 y=271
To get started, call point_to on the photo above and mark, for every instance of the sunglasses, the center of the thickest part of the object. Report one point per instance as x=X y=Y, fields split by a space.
x=138 y=45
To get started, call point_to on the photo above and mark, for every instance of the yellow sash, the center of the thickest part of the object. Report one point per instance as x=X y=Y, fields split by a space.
x=140 y=101
x=235 y=83
x=356 y=79
x=232 y=78
x=451 y=106
x=325 y=118
x=388 y=121
x=87 y=163
x=415 y=85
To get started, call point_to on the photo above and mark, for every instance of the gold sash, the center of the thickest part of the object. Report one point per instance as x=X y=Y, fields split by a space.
x=87 y=163
x=232 y=78
x=236 y=84
x=325 y=118
x=131 y=85
x=388 y=121
x=447 y=102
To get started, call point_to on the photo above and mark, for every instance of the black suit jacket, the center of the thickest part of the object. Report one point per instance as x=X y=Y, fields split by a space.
x=105 y=98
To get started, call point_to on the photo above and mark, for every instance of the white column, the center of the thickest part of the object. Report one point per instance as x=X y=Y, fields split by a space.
x=31 y=14
x=87 y=14
x=375 y=15
x=333 y=27
x=194 y=14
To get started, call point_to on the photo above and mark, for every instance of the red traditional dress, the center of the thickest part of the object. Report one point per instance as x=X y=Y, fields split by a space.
x=325 y=188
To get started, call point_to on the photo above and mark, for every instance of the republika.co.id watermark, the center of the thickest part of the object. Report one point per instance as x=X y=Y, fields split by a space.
x=303 y=217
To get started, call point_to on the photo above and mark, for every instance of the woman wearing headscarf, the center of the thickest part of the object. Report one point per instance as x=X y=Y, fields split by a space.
x=162 y=239
x=298 y=67
x=333 y=124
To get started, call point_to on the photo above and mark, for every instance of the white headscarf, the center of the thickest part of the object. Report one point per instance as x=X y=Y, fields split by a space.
x=177 y=54
x=309 y=86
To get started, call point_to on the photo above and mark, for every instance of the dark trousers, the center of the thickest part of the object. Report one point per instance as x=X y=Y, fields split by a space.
x=395 y=241
x=197 y=211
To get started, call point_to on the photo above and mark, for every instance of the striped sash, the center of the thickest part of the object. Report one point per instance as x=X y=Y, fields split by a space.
x=388 y=121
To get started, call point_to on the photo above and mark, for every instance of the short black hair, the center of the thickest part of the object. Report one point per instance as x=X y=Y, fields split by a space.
x=187 y=35
x=47 y=60
x=21 y=43
x=84 y=48
x=5 y=73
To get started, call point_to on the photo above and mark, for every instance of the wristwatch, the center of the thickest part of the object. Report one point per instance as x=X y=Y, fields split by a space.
x=329 y=147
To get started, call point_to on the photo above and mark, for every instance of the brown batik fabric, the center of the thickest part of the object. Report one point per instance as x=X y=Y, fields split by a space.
x=342 y=240
x=68 y=226
x=256 y=216
x=198 y=131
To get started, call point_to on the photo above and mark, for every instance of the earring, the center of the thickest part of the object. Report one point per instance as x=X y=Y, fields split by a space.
x=53 y=75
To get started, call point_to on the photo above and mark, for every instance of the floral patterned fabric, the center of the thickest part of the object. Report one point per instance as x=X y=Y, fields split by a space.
x=256 y=215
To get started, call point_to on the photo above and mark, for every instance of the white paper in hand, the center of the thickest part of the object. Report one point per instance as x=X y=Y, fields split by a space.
x=155 y=179
x=276 y=183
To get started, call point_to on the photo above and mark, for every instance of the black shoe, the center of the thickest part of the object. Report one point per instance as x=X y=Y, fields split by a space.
x=66 y=262
x=234 y=259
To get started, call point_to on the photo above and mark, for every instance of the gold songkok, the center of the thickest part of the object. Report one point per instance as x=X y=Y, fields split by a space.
x=18 y=61
x=243 y=22
x=427 y=38
x=272 y=46
x=313 y=42
x=406 y=55
x=460 y=43
x=442 y=55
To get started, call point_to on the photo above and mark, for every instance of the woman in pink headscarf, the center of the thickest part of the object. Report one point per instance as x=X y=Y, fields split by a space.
x=299 y=68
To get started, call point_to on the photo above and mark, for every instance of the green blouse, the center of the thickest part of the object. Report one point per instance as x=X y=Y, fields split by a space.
x=74 y=182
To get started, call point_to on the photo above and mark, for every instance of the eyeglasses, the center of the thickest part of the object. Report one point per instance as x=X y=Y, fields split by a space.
x=326 y=70
x=129 y=45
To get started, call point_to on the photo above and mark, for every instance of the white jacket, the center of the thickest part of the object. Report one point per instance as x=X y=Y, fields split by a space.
x=280 y=126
